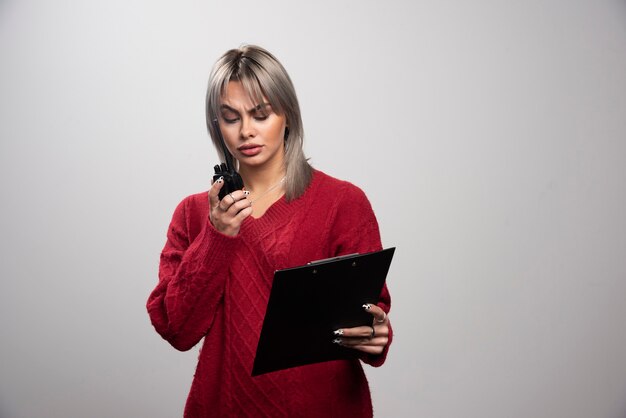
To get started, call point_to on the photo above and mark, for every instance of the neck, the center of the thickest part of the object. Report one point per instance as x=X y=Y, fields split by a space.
x=260 y=179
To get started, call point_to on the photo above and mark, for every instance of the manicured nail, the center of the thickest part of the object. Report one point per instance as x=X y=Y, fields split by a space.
x=367 y=307
x=220 y=180
x=246 y=192
x=338 y=332
x=337 y=341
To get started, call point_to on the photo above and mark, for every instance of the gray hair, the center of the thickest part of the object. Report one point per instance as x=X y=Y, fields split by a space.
x=261 y=75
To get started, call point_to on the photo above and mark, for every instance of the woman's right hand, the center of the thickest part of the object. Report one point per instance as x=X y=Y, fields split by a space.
x=228 y=214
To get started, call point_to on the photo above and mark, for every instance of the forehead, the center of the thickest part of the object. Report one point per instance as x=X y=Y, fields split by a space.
x=239 y=95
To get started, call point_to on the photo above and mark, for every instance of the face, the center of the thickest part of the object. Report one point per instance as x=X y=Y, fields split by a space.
x=253 y=132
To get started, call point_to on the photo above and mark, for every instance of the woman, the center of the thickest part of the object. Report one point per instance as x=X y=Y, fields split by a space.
x=217 y=266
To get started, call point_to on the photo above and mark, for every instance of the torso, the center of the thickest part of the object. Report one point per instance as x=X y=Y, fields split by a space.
x=330 y=219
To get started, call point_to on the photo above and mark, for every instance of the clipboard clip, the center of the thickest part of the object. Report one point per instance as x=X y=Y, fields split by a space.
x=331 y=259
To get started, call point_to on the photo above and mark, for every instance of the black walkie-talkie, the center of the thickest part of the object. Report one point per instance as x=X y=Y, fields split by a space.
x=232 y=179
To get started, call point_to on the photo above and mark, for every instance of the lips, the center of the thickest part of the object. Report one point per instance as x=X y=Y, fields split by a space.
x=250 y=150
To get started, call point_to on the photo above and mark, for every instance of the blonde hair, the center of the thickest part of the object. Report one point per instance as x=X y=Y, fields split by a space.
x=261 y=75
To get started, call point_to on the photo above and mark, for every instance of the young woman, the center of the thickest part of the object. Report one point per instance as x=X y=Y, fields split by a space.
x=217 y=266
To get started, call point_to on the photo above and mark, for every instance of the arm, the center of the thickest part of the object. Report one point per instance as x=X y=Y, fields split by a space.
x=192 y=273
x=355 y=229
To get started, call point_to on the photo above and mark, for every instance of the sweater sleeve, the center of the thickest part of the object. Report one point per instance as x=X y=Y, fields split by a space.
x=192 y=275
x=355 y=230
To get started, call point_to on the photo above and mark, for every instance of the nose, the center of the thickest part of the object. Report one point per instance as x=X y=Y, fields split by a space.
x=247 y=128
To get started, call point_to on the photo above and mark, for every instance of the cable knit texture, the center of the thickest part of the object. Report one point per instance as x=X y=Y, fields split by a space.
x=216 y=287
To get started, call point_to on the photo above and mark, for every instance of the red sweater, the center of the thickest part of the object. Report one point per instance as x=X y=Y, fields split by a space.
x=217 y=287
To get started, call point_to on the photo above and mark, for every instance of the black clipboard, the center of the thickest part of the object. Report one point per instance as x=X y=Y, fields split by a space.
x=308 y=303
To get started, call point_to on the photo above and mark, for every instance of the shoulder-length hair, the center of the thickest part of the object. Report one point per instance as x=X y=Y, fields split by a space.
x=262 y=75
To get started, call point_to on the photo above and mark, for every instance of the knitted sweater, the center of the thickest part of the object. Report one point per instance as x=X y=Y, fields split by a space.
x=217 y=287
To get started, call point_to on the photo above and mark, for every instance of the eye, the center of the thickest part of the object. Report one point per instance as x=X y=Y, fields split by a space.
x=230 y=117
x=261 y=113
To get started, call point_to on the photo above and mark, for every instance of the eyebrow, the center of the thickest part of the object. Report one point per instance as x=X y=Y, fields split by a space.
x=254 y=109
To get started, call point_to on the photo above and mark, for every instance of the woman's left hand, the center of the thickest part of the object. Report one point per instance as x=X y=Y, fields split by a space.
x=369 y=339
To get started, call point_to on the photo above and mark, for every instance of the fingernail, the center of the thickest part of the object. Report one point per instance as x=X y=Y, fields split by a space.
x=338 y=332
x=367 y=307
x=220 y=180
x=246 y=192
x=337 y=341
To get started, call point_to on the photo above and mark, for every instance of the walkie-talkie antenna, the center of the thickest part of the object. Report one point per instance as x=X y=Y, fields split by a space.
x=228 y=158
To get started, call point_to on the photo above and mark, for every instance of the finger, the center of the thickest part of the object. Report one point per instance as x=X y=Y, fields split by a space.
x=235 y=202
x=354 y=336
x=214 y=191
x=369 y=349
x=227 y=201
x=238 y=195
x=377 y=312
x=381 y=330
x=353 y=342
x=244 y=212
x=364 y=331
x=356 y=332
x=374 y=345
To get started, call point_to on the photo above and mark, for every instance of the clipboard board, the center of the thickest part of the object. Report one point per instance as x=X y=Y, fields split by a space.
x=308 y=303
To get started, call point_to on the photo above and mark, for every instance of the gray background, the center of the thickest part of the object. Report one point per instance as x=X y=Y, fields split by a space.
x=489 y=136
